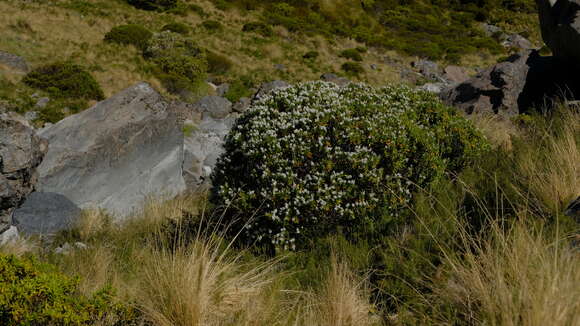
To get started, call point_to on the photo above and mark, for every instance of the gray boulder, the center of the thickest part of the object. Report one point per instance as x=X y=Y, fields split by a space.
x=202 y=148
x=242 y=105
x=268 y=88
x=213 y=106
x=222 y=89
x=455 y=74
x=518 y=42
x=46 y=213
x=435 y=88
x=21 y=151
x=332 y=78
x=115 y=154
x=13 y=61
x=495 y=90
x=560 y=26
x=429 y=70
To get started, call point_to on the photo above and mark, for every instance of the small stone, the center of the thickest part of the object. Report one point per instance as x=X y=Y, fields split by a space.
x=9 y=235
x=242 y=105
x=280 y=67
x=81 y=245
x=222 y=89
x=31 y=115
x=374 y=66
x=42 y=102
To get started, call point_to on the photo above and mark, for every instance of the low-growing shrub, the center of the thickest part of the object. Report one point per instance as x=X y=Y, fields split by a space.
x=315 y=158
x=136 y=35
x=259 y=28
x=35 y=294
x=160 y=5
x=178 y=28
x=65 y=80
x=310 y=55
x=352 y=54
x=177 y=55
x=353 y=68
x=211 y=25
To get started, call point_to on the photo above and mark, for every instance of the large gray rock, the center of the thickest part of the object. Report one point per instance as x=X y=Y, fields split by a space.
x=560 y=26
x=268 y=88
x=115 y=154
x=13 y=61
x=202 y=149
x=21 y=151
x=46 y=213
x=495 y=90
x=213 y=106
x=521 y=83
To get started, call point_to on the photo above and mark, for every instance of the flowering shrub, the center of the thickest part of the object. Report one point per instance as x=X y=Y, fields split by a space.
x=313 y=158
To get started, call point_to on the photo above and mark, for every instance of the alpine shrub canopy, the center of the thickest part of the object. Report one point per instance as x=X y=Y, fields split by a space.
x=315 y=158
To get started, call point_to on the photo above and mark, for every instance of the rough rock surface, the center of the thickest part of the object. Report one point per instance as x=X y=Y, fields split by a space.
x=517 y=41
x=202 y=149
x=46 y=213
x=13 y=61
x=115 y=154
x=21 y=151
x=267 y=88
x=573 y=210
x=332 y=78
x=213 y=106
x=560 y=26
x=455 y=74
x=524 y=81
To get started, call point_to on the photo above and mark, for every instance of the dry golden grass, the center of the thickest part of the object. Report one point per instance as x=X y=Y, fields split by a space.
x=551 y=170
x=202 y=284
x=519 y=276
x=344 y=300
x=498 y=130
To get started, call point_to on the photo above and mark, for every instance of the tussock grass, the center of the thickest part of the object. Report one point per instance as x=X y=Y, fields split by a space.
x=551 y=169
x=203 y=284
x=517 y=275
x=343 y=300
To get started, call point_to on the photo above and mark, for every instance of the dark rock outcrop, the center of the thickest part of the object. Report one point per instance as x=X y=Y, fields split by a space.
x=524 y=81
x=560 y=26
x=573 y=210
x=46 y=213
x=21 y=151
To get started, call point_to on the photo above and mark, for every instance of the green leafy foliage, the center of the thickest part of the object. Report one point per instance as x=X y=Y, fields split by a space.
x=178 y=59
x=352 y=54
x=315 y=158
x=32 y=293
x=437 y=29
x=136 y=35
x=178 y=28
x=65 y=80
x=352 y=68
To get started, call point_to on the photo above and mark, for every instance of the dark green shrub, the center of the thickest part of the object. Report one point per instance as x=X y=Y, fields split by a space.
x=353 y=68
x=361 y=49
x=176 y=55
x=211 y=25
x=258 y=28
x=178 y=28
x=32 y=293
x=316 y=158
x=240 y=88
x=352 y=54
x=159 y=5
x=65 y=80
x=310 y=55
x=217 y=63
x=136 y=35
x=175 y=84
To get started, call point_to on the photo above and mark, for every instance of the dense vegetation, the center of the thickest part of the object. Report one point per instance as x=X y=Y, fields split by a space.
x=427 y=28
x=315 y=158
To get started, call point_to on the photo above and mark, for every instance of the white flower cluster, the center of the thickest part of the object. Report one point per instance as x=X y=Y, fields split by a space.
x=315 y=156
